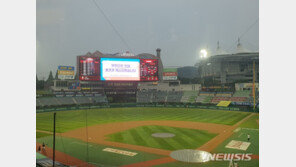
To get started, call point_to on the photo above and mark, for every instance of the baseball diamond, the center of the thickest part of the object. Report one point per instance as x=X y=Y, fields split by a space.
x=122 y=134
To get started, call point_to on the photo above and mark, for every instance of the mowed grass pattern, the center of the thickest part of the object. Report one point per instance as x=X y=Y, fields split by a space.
x=251 y=122
x=78 y=149
x=183 y=139
x=69 y=120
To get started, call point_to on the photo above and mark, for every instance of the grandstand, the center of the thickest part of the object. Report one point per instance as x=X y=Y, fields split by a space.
x=163 y=92
x=159 y=96
x=174 y=96
x=83 y=100
x=99 y=99
x=207 y=93
x=71 y=98
x=144 y=96
x=242 y=93
x=238 y=99
x=48 y=101
x=204 y=99
x=216 y=100
x=189 y=96
x=65 y=98
x=207 y=99
x=224 y=94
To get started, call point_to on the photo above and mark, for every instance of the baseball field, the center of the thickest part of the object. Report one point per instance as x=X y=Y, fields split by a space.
x=123 y=136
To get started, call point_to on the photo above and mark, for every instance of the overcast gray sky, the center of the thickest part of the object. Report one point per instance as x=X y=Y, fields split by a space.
x=67 y=28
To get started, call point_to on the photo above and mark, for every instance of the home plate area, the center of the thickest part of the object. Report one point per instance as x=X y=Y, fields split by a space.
x=239 y=145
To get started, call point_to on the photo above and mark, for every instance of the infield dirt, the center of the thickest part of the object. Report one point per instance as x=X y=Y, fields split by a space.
x=97 y=134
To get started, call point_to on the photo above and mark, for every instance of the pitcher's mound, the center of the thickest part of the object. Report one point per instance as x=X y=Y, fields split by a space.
x=163 y=135
x=191 y=156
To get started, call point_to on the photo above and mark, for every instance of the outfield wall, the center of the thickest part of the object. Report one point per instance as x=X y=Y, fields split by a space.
x=172 y=105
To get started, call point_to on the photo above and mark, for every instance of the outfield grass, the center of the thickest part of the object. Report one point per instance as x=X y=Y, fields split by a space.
x=77 y=148
x=183 y=139
x=69 y=120
x=251 y=122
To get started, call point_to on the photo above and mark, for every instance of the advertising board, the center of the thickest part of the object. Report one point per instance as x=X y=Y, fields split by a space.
x=66 y=72
x=119 y=69
x=170 y=74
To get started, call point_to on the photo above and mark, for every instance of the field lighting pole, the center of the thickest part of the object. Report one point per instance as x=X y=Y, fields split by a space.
x=254 y=88
x=54 y=133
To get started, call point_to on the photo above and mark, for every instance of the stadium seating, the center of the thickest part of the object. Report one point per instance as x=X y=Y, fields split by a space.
x=207 y=99
x=238 y=99
x=83 y=100
x=189 y=96
x=203 y=99
x=99 y=99
x=159 y=96
x=88 y=94
x=207 y=93
x=69 y=94
x=79 y=94
x=38 y=103
x=224 y=94
x=242 y=93
x=65 y=100
x=72 y=98
x=216 y=100
x=144 y=96
x=48 y=101
x=174 y=96
x=59 y=94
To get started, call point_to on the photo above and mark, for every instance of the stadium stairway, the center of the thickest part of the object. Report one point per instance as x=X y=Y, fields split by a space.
x=75 y=101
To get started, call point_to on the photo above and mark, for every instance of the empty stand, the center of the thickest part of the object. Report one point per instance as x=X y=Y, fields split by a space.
x=174 y=96
x=189 y=96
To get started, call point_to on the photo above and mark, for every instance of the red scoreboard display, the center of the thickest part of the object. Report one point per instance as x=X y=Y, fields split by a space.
x=149 y=70
x=89 y=68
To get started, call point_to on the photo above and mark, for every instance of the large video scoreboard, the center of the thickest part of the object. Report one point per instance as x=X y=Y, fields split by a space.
x=89 y=68
x=149 y=70
x=117 y=69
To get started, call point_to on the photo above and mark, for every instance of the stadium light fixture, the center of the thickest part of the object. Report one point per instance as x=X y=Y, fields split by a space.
x=203 y=53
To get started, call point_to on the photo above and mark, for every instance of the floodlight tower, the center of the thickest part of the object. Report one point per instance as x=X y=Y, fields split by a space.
x=203 y=53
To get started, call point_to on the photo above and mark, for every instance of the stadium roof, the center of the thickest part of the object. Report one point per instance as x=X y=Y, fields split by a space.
x=147 y=56
x=240 y=48
x=219 y=51
x=117 y=55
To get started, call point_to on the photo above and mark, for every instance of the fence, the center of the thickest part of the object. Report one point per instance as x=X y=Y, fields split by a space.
x=167 y=105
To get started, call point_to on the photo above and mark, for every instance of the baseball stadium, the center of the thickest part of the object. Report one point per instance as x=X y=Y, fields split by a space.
x=129 y=110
